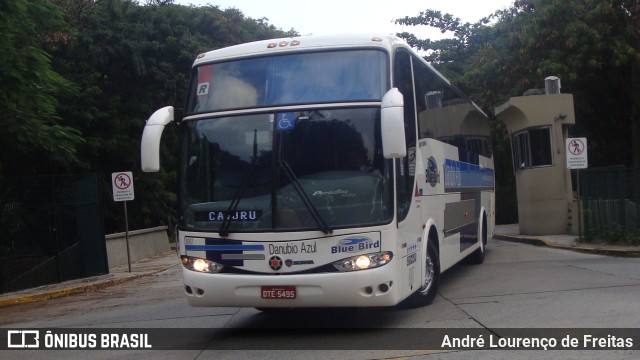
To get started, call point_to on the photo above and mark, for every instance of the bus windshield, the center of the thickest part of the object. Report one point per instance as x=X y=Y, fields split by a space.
x=285 y=171
x=303 y=78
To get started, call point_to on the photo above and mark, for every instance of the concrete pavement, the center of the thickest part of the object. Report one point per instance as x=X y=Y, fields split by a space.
x=150 y=266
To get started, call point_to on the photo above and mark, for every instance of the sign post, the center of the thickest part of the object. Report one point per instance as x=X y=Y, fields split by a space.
x=577 y=159
x=122 y=183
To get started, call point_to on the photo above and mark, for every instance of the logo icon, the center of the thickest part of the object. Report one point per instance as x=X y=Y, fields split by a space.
x=286 y=121
x=275 y=263
x=433 y=175
x=21 y=339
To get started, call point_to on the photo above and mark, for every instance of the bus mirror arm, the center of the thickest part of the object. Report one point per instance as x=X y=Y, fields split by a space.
x=151 y=135
x=392 y=125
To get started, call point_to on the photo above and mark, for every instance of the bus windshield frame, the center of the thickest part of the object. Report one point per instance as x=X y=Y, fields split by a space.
x=318 y=77
x=250 y=173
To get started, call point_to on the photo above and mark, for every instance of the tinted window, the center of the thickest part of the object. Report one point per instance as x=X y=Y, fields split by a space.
x=445 y=115
x=335 y=76
x=532 y=147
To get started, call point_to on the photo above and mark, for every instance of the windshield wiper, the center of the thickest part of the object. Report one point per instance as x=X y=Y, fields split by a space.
x=305 y=198
x=226 y=223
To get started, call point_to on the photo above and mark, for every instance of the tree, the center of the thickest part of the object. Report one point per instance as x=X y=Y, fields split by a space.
x=592 y=45
x=80 y=77
x=33 y=135
x=127 y=60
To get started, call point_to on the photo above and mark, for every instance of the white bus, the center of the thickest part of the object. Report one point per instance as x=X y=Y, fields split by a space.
x=338 y=171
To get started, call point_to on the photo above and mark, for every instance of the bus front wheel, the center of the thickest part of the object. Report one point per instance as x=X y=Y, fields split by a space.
x=429 y=289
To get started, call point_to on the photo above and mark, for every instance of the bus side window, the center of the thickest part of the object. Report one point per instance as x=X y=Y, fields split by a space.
x=403 y=80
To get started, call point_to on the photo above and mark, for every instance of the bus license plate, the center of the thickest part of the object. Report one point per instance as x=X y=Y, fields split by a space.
x=278 y=292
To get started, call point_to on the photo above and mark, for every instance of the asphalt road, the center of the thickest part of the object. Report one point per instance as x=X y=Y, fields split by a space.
x=518 y=286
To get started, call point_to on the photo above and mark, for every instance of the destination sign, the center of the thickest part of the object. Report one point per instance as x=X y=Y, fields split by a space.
x=238 y=215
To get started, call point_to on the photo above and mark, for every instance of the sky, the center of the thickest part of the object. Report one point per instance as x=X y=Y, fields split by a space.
x=326 y=17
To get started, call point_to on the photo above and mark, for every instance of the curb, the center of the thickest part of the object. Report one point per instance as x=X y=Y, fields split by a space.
x=72 y=290
x=579 y=248
x=75 y=288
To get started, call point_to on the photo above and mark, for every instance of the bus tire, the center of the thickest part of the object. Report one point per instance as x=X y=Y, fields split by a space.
x=428 y=291
x=477 y=257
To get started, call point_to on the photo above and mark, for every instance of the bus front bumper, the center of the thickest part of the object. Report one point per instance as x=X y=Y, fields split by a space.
x=373 y=287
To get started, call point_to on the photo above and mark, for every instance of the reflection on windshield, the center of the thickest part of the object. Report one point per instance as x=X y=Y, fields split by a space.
x=355 y=75
x=313 y=210
x=231 y=171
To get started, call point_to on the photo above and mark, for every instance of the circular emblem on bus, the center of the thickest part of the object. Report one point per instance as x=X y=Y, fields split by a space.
x=432 y=173
x=275 y=263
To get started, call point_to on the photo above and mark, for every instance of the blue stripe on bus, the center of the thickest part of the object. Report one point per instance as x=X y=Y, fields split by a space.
x=224 y=247
x=461 y=175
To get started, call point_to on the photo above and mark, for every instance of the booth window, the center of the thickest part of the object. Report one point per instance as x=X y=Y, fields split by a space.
x=532 y=148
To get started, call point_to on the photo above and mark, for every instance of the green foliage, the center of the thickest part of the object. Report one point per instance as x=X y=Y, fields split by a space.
x=130 y=60
x=80 y=78
x=615 y=235
x=32 y=132
x=592 y=45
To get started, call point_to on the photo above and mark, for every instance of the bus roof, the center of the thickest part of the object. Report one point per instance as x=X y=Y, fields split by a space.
x=314 y=42
x=299 y=43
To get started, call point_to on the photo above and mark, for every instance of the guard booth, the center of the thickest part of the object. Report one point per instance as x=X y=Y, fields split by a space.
x=538 y=125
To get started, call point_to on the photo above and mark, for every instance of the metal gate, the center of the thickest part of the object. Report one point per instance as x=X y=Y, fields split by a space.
x=611 y=205
x=51 y=230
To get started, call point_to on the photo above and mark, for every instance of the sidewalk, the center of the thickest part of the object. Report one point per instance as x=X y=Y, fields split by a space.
x=567 y=242
x=117 y=275
x=121 y=274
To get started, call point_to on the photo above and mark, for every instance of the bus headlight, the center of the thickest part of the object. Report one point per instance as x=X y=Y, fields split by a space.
x=201 y=265
x=363 y=262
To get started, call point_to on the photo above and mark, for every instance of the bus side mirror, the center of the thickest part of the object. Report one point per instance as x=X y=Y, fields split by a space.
x=150 y=144
x=392 y=125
